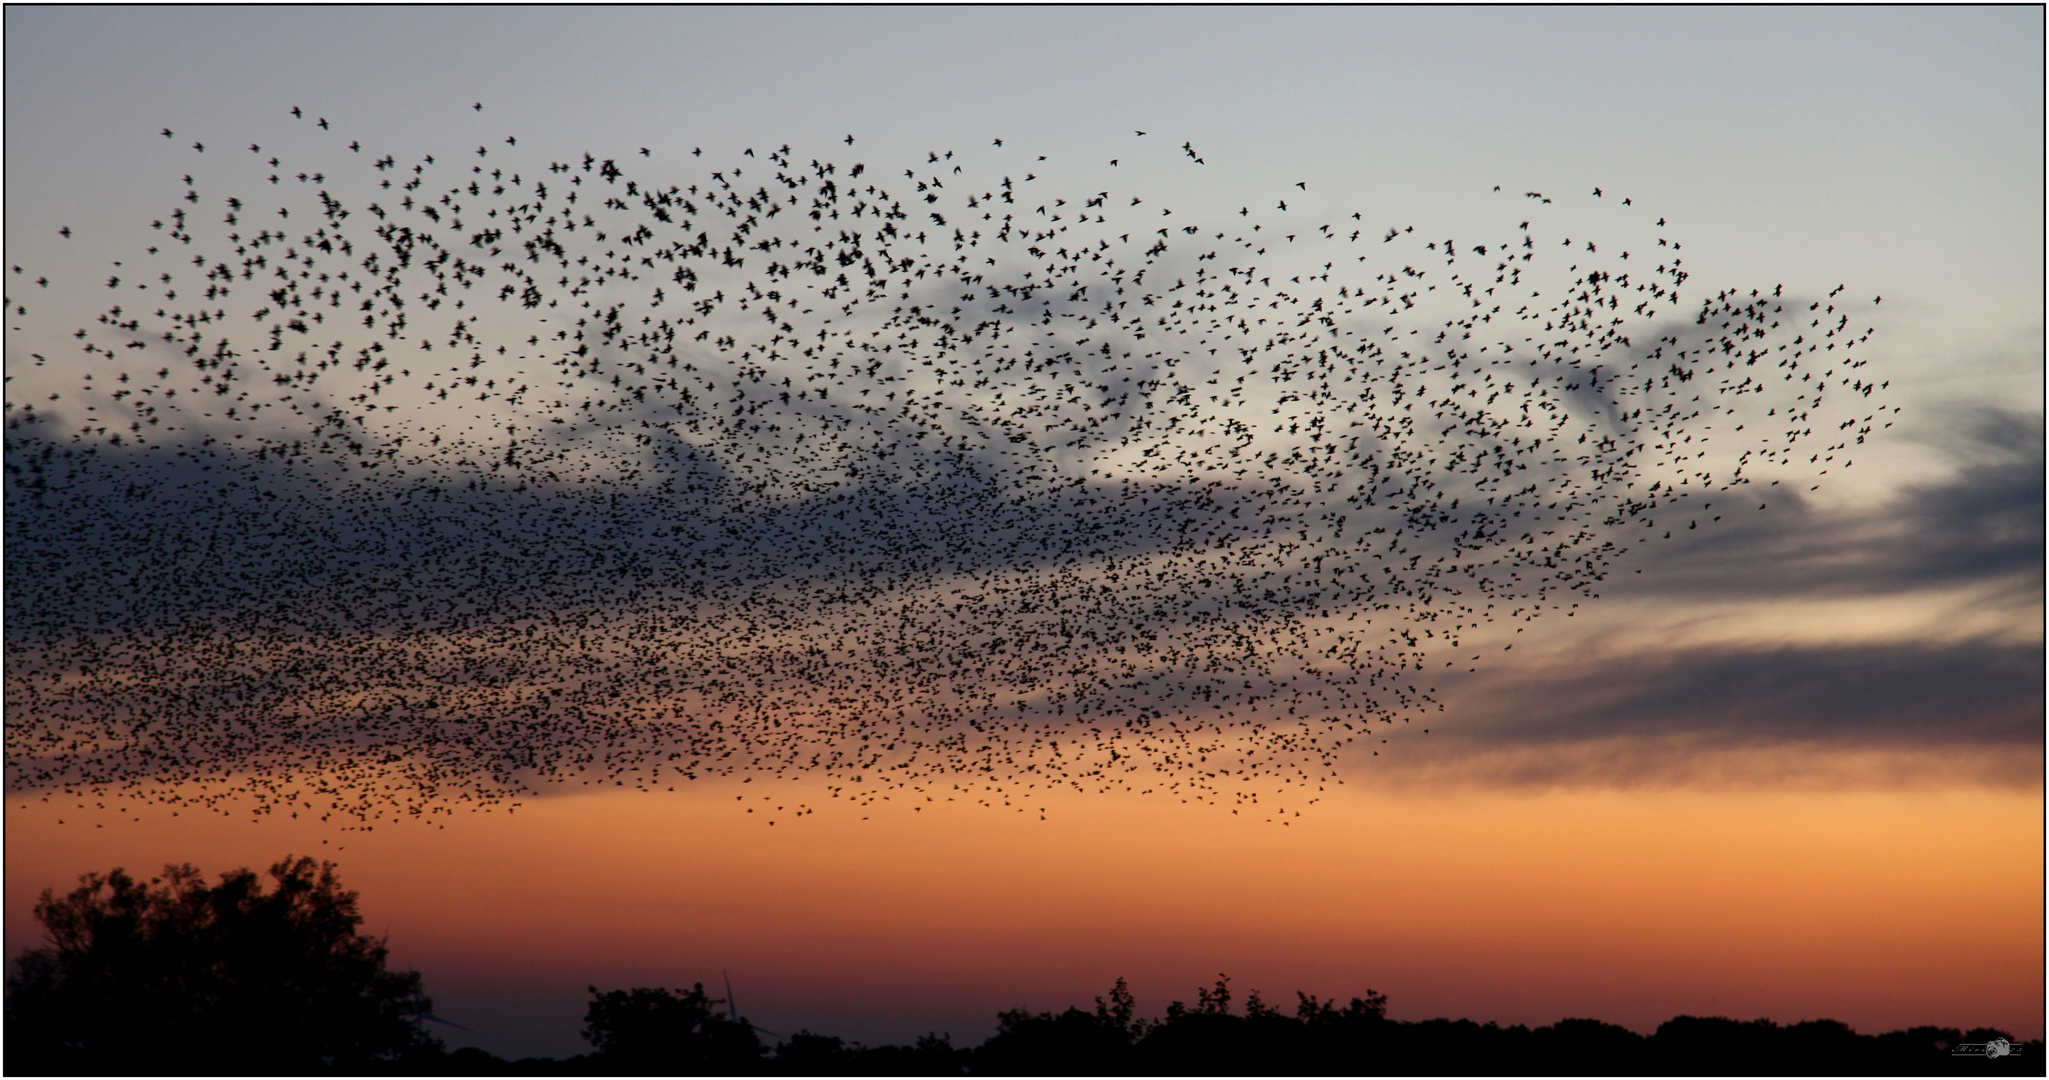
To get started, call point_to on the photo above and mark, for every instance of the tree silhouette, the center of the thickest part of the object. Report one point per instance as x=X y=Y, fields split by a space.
x=657 y=1031
x=175 y=976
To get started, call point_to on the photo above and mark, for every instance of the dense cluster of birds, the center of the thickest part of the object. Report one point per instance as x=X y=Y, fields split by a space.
x=382 y=486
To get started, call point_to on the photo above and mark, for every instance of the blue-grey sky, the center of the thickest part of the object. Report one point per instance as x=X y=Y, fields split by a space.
x=1899 y=148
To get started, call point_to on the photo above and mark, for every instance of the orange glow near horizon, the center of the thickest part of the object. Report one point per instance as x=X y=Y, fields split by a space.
x=1881 y=908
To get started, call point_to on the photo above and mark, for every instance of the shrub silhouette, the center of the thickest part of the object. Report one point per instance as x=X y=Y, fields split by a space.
x=174 y=975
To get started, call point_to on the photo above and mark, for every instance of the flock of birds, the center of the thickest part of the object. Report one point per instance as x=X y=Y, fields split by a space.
x=376 y=486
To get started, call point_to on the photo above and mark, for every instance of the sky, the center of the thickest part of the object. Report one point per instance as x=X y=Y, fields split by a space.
x=1786 y=765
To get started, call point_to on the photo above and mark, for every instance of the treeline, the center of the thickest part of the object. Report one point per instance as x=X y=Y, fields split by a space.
x=178 y=977
x=662 y=1032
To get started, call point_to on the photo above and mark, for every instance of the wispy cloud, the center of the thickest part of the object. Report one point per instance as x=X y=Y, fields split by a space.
x=1918 y=703
x=1980 y=524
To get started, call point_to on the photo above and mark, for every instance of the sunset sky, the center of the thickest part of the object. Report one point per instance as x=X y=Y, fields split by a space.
x=1787 y=766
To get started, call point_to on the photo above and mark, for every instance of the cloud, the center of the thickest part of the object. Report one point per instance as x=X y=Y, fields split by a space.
x=1885 y=714
x=1980 y=525
x=1903 y=694
x=1924 y=706
x=1695 y=763
x=407 y=596
x=1987 y=521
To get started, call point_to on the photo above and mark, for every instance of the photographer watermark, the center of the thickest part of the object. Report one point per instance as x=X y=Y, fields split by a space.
x=1997 y=1048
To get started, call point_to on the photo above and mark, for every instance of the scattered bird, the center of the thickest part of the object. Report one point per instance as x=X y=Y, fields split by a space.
x=475 y=481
